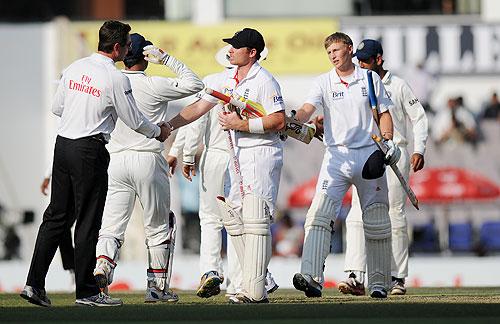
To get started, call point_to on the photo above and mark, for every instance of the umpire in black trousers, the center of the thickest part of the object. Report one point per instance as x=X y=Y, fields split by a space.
x=90 y=97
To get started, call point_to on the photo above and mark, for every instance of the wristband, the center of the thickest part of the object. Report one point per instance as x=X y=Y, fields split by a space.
x=256 y=126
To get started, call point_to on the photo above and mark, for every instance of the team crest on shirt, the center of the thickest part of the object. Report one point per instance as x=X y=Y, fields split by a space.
x=364 y=92
x=277 y=99
x=337 y=95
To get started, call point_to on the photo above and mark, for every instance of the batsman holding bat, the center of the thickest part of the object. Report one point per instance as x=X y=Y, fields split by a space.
x=351 y=158
x=406 y=107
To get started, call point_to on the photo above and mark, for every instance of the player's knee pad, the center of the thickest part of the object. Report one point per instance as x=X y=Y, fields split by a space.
x=233 y=223
x=378 y=245
x=318 y=233
x=256 y=220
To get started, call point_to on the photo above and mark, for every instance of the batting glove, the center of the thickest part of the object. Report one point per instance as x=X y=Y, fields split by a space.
x=155 y=55
x=393 y=153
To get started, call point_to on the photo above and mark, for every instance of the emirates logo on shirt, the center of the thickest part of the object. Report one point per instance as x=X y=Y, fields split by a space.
x=84 y=86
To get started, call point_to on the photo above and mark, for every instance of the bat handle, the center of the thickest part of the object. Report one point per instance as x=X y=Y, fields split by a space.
x=209 y=91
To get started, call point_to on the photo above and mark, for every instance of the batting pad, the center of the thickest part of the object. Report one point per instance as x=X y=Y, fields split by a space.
x=159 y=260
x=377 y=226
x=256 y=220
x=106 y=253
x=318 y=233
x=233 y=224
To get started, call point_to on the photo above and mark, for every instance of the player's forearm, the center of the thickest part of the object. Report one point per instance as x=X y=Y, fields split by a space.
x=305 y=112
x=190 y=113
x=270 y=123
x=386 y=127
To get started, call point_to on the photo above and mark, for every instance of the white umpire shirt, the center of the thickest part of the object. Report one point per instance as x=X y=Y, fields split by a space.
x=406 y=107
x=152 y=94
x=259 y=86
x=206 y=127
x=348 y=120
x=91 y=95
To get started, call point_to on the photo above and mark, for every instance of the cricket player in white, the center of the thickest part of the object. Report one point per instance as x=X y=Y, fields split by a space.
x=406 y=108
x=351 y=157
x=138 y=169
x=214 y=181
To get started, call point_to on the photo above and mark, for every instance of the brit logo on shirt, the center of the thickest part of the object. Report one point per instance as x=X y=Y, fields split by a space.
x=337 y=95
x=364 y=92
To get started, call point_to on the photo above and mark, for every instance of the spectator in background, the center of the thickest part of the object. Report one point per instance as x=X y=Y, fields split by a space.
x=455 y=124
x=287 y=238
x=491 y=108
x=422 y=83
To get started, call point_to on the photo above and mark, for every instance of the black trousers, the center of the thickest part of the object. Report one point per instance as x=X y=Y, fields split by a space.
x=79 y=187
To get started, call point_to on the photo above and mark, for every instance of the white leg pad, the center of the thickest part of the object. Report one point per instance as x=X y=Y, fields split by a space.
x=257 y=224
x=107 y=249
x=355 y=253
x=377 y=226
x=160 y=258
x=233 y=224
x=318 y=234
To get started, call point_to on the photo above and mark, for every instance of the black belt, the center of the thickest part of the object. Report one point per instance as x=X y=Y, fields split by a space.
x=97 y=137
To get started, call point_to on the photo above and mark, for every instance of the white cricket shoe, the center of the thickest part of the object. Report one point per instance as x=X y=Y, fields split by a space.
x=242 y=299
x=209 y=284
x=271 y=285
x=351 y=286
x=398 y=287
x=154 y=295
x=100 y=300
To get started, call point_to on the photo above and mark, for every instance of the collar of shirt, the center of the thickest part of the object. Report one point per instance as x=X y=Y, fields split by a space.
x=100 y=57
x=250 y=75
x=133 y=72
x=387 y=78
x=357 y=75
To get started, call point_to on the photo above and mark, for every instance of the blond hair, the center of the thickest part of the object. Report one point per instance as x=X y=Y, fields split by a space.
x=337 y=37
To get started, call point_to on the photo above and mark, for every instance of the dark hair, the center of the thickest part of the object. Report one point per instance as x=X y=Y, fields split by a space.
x=129 y=61
x=110 y=33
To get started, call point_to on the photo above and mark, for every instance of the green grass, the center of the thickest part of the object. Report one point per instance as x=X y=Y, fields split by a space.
x=453 y=305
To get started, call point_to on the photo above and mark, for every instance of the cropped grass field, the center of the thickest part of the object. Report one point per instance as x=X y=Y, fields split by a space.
x=443 y=305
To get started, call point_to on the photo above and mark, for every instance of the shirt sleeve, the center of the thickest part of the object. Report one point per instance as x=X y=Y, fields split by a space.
x=384 y=102
x=418 y=118
x=186 y=83
x=194 y=135
x=58 y=103
x=126 y=107
x=178 y=144
x=315 y=95
x=271 y=98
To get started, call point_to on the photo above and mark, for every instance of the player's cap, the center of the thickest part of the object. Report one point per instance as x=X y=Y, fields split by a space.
x=247 y=37
x=222 y=56
x=138 y=43
x=368 y=48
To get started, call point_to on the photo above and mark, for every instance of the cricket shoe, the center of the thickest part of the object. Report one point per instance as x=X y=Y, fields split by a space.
x=398 y=286
x=35 y=296
x=351 y=286
x=154 y=295
x=242 y=299
x=271 y=285
x=209 y=284
x=306 y=284
x=378 y=292
x=99 y=300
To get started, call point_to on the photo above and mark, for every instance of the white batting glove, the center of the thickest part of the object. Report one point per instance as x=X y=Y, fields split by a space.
x=155 y=55
x=393 y=153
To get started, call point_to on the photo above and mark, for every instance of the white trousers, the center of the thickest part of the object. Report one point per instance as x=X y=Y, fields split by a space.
x=213 y=177
x=137 y=174
x=355 y=256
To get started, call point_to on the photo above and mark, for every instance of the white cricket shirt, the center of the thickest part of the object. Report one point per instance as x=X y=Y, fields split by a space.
x=206 y=127
x=348 y=118
x=152 y=95
x=259 y=86
x=406 y=107
x=91 y=95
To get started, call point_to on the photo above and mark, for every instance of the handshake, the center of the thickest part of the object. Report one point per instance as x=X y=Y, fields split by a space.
x=165 y=130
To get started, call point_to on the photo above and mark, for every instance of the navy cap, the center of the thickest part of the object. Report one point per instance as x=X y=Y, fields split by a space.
x=247 y=37
x=368 y=48
x=138 y=43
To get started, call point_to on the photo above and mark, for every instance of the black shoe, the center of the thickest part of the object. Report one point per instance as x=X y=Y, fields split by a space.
x=35 y=296
x=301 y=283
x=378 y=293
